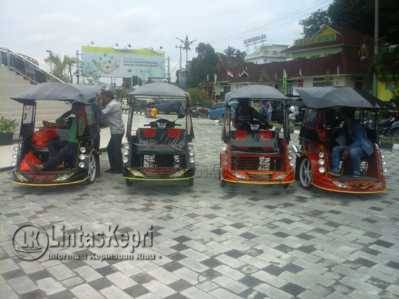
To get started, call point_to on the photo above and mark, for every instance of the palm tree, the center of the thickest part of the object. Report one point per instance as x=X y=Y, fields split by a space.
x=69 y=62
x=60 y=67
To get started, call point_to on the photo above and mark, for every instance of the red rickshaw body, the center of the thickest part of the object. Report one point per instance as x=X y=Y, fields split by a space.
x=316 y=144
x=258 y=168
x=260 y=157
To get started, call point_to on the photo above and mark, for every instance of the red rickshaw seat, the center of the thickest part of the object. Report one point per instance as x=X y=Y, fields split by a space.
x=240 y=134
x=174 y=133
x=149 y=133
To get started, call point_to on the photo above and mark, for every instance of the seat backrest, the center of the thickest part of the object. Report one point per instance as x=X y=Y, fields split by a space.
x=146 y=133
x=174 y=133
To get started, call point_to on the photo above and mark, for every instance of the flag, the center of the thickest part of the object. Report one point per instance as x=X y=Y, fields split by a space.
x=285 y=82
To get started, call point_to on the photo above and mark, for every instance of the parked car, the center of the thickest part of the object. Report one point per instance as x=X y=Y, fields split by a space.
x=216 y=111
x=168 y=106
x=390 y=126
x=199 y=111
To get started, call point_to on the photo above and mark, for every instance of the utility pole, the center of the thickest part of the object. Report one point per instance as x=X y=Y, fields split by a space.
x=180 y=57
x=185 y=44
x=168 y=69
x=77 y=67
x=376 y=34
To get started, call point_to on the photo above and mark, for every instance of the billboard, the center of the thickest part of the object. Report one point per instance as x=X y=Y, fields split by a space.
x=109 y=62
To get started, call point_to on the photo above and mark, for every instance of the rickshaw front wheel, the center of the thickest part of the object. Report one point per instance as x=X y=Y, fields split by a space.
x=92 y=168
x=305 y=173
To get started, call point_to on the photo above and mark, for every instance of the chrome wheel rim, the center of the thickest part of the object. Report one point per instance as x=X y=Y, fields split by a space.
x=92 y=168
x=305 y=173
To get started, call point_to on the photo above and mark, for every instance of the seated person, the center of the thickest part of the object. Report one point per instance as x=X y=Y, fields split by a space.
x=353 y=142
x=63 y=149
x=245 y=114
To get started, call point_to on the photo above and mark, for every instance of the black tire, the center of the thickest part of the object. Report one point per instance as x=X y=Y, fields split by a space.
x=305 y=173
x=98 y=164
x=92 y=168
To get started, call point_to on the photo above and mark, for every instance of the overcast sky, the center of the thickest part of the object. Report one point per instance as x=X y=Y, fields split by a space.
x=32 y=27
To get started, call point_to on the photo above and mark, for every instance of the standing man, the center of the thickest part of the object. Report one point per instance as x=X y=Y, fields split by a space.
x=112 y=116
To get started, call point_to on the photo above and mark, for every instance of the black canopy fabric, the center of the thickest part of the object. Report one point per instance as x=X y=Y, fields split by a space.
x=54 y=91
x=255 y=92
x=329 y=97
x=159 y=90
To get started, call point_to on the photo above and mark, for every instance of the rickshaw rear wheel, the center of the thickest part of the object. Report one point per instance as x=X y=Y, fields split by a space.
x=305 y=173
x=92 y=168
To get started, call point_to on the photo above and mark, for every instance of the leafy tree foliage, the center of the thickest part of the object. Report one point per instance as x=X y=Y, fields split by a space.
x=199 y=97
x=312 y=24
x=61 y=68
x=235 y=53
x=203 y=66
x=358 y=15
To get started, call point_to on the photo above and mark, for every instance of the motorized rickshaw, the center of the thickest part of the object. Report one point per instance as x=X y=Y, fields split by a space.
x=162 y=149
x=256 y=147
x=324 y=127
x=33 y=147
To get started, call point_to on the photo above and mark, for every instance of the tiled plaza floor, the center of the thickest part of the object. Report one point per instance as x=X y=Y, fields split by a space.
x=209 y=242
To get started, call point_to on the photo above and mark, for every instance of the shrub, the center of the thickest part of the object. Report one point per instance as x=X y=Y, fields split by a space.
x=7 y=125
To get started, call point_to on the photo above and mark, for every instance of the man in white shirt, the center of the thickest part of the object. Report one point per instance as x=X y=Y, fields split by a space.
x=112 y=116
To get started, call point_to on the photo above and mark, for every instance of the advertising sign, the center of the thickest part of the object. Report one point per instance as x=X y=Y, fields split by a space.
x=108 y=62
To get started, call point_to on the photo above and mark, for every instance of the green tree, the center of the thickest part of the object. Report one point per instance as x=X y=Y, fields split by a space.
x=235 y=53
x=313 y=23
x=203 y=66
x=61 y=68
x=199 y=97
x=358 y=15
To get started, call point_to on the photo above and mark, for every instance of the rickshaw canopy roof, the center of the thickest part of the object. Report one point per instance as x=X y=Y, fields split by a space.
x=159 y=90
x=329 y=97
x=54 y=91
x=255 y=92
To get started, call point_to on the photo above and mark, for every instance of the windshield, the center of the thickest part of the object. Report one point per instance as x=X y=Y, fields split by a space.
x=254 y=115
x=145 y=112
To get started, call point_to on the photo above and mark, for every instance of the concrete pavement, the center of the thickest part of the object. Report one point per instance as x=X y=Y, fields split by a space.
x=208 y=241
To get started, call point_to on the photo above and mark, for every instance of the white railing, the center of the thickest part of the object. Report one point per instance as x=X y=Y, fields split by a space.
x=25 y=67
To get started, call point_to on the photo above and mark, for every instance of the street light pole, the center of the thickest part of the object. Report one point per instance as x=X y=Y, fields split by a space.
x=180 y=57
x=376 y=34
x=77 y=67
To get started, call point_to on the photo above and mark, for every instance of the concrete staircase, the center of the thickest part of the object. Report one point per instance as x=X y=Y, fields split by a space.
x=17 y=73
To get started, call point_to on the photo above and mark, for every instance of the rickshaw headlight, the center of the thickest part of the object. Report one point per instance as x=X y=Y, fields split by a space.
x=125 y=160
x=190 y=148
x=322 y=162
x=321 y=155
x=82 y=157
x=125 y=150
x=82 y=164
x=20 y=177
x=322 y=169
x=83 y=150
x=63 y=177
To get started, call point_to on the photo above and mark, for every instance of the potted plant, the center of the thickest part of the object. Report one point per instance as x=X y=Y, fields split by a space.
x=7 y=128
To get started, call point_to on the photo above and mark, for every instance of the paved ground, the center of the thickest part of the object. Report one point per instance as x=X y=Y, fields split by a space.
x=209 y=242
